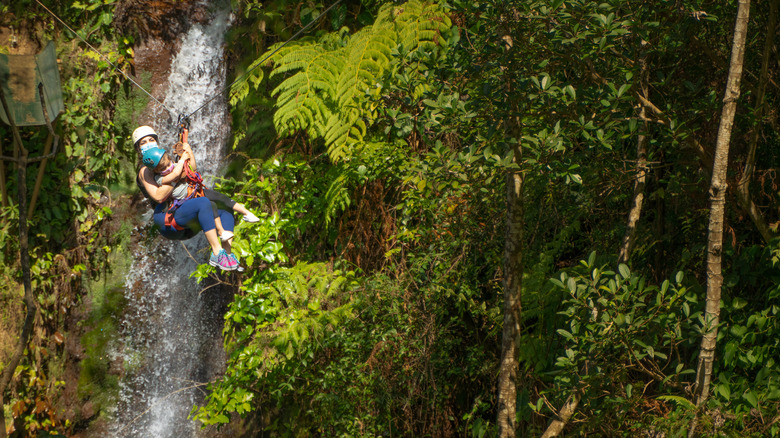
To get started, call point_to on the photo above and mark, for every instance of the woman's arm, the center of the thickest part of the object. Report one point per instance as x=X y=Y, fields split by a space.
x=158 y=193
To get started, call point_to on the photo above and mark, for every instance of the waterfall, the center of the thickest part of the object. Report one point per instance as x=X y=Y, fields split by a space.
x=171 y=333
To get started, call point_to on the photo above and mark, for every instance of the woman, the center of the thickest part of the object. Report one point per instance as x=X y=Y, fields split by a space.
x=192 y=215
x=162 y=165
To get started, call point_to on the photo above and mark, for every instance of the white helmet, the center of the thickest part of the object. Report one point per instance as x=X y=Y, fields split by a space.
x=143 y=131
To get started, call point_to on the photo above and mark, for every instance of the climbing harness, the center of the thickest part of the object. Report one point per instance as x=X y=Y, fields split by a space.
x=194 y=181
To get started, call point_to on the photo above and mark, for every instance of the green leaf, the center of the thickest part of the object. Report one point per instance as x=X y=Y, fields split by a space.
x=571 y=284
x=751 y=398
x=565 y=334
x=570 y=91
x=739 y=303
x=592 y=259
x=724 y=390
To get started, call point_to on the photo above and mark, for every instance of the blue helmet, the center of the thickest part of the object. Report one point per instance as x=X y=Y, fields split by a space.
x=152 y=157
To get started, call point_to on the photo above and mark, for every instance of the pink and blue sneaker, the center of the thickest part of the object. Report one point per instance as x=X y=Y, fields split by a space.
x=233 y=257
x=223 y=261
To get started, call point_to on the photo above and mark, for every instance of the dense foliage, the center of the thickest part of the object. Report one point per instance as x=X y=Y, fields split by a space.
x=377 y=147
x=70 y=228
x=396 y=185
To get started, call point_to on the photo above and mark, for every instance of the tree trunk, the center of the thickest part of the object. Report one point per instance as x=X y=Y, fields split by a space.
x=513 y=267
x=513 y=275
x=24 y=256
x=641 y=176
x=717 y=209
x=743 y=186
x=638 y=199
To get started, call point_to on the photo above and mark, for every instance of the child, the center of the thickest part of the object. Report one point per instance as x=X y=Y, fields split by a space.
x=170 y=173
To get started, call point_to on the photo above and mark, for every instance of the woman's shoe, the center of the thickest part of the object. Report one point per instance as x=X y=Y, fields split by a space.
x=226 y=235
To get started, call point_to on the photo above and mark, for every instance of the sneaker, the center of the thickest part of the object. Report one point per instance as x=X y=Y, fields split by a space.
x=250 y=217
x=233 y=257
x=223 y=261
x=226 y=235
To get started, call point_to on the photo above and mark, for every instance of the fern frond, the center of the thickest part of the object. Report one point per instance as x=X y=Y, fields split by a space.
x=421 y=26
x=327 y=81
x=368 y=58
x=304 y=99
x=336 y=198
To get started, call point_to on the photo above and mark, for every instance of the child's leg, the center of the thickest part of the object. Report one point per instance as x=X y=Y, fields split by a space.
x=248 y=215
x=227 y=219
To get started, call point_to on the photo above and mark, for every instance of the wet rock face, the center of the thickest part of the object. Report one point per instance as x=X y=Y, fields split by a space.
x=166 y=19
x=158 y=27
x=154 y=55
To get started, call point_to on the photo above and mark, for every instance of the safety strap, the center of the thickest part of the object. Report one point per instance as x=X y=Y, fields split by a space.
x=194 y=190
x=169 y=220
x=194 y=179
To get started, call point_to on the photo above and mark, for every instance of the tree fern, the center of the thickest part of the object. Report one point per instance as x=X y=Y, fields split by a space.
x=421 y=26
x=300 y=98
x=325 y=90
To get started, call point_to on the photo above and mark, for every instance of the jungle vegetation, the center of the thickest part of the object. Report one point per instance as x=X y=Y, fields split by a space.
x=479 y=218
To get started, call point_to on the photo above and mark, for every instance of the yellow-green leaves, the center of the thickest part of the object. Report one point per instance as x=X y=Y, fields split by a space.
x=325 y=91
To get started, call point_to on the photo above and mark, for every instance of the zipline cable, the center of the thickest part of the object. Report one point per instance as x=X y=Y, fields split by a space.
x=129 y=78
x=264 y=59
x=182 y=117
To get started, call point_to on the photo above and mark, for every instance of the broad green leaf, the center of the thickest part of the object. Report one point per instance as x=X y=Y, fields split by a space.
x=624 y=270
x=751 y=398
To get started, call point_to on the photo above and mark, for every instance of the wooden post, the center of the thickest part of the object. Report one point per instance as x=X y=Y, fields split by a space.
x=24 y=258
x=39 y=179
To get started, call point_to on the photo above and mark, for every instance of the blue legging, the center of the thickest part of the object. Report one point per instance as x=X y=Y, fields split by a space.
x=194 y=214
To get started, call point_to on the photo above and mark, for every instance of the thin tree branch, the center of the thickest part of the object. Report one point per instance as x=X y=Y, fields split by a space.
x=744 y=195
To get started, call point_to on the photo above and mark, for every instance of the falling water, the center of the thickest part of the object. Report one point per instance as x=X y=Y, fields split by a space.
x=171 y=332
